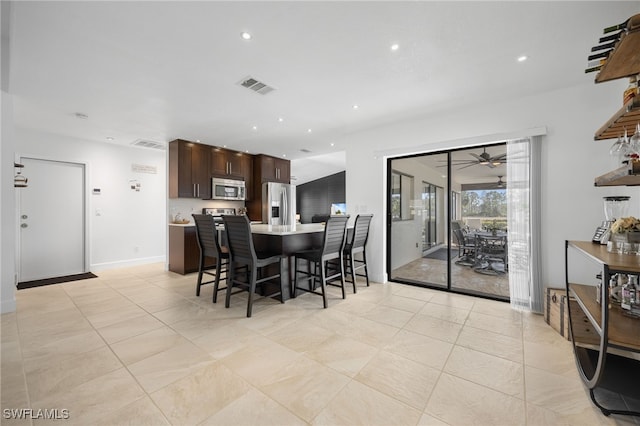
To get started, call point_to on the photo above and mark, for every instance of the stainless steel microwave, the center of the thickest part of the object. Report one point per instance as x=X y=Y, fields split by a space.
x=227 y=189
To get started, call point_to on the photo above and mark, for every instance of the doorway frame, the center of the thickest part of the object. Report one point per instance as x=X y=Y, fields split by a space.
x=85 y=214
x=448 y=219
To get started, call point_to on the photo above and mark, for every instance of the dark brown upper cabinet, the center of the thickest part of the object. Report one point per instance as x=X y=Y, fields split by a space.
x=188 y=170
x=228 y=163
x=271 y=169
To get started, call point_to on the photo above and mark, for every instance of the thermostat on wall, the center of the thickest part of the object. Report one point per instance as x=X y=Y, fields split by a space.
x=96 y=191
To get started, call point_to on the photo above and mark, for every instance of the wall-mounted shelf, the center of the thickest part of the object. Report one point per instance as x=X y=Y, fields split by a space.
x=626 y=118
x=628 y=175
x=624 y=60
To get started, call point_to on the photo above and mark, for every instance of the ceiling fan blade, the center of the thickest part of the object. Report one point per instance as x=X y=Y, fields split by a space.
x=467 y=166
x=476 y=156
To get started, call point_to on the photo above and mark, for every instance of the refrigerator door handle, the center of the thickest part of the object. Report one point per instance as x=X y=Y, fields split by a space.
x=285 y=213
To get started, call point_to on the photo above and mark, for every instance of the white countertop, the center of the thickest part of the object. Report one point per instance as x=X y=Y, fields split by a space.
x=261 y=228
x=304 y=228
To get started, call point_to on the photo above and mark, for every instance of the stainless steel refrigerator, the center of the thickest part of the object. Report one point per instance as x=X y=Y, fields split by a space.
x=278 y=203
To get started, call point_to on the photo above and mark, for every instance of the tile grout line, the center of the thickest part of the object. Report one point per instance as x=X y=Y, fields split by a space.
x=24 y=374
x=122 y=363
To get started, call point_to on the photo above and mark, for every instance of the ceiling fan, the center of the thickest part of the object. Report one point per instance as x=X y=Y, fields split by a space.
x=484 y=159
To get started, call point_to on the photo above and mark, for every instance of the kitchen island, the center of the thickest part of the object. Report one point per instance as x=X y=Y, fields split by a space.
x=287 y=240
x=272 y=239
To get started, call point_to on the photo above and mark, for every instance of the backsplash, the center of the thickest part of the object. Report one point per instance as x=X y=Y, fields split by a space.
x=187 y=206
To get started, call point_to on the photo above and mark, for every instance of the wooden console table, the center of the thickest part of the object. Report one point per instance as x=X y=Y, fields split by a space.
x=609 y=358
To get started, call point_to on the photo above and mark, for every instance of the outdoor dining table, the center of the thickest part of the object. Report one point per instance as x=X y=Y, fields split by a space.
x=490 y=254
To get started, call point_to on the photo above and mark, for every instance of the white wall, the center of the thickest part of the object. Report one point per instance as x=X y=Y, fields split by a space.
x=571 y=159
x=131 y=227
x=7 y=211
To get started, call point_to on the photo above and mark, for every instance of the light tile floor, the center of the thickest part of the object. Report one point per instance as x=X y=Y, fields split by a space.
x=135 y=346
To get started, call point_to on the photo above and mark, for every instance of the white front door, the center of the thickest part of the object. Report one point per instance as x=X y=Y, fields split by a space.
x=51 y=220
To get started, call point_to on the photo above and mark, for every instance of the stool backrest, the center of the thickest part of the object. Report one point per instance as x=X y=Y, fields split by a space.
x=361 y=230
x=334 y=234
x=239 y=237
x=206 y=235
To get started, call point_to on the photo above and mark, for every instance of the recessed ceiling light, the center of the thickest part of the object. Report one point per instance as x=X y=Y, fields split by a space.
x=224 y=146
x=522 y=58
x=280 y=119
x=395 y=46
x=198 y=140
x=255 y=127
x=109 y=138
x=332 y=144
x=308 y=130
x=284 y=155
x=356 y=106
x=246 y=150
x=245 y=35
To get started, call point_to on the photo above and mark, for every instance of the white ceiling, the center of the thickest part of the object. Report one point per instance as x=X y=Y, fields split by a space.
x=166 y=70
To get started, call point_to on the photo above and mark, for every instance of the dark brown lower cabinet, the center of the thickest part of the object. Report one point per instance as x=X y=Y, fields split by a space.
x=184 y=253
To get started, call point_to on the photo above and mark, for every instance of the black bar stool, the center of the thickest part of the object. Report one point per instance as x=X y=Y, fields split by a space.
x=332 y=246
x=357 y=244
x=242 y=253
x=207 y=238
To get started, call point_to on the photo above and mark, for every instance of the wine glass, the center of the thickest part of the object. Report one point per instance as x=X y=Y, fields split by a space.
x=625 y=147
x=617 y=151
x=635 y=141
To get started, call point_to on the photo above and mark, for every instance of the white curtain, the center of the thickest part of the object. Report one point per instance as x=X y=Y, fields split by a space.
x=523 y=222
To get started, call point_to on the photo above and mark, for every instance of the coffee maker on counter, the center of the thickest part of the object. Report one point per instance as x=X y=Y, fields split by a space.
x=615 y=207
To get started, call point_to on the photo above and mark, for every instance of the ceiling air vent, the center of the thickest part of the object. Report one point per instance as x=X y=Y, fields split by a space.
x=255 y=85
x=145 y=143
x=305 y=150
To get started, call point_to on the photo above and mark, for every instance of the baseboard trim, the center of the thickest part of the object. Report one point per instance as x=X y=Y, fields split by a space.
x=127 y=263
x=7 y=306
x=56 y=280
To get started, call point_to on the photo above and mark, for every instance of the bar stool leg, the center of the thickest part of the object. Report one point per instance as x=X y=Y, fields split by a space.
x=231 y=273
x=323 y=283
x=352 y=262
x=252 y=289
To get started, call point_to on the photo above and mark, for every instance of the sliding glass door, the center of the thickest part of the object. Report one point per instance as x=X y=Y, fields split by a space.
x=459 y=211
x=480 y=232
x=418 y=246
